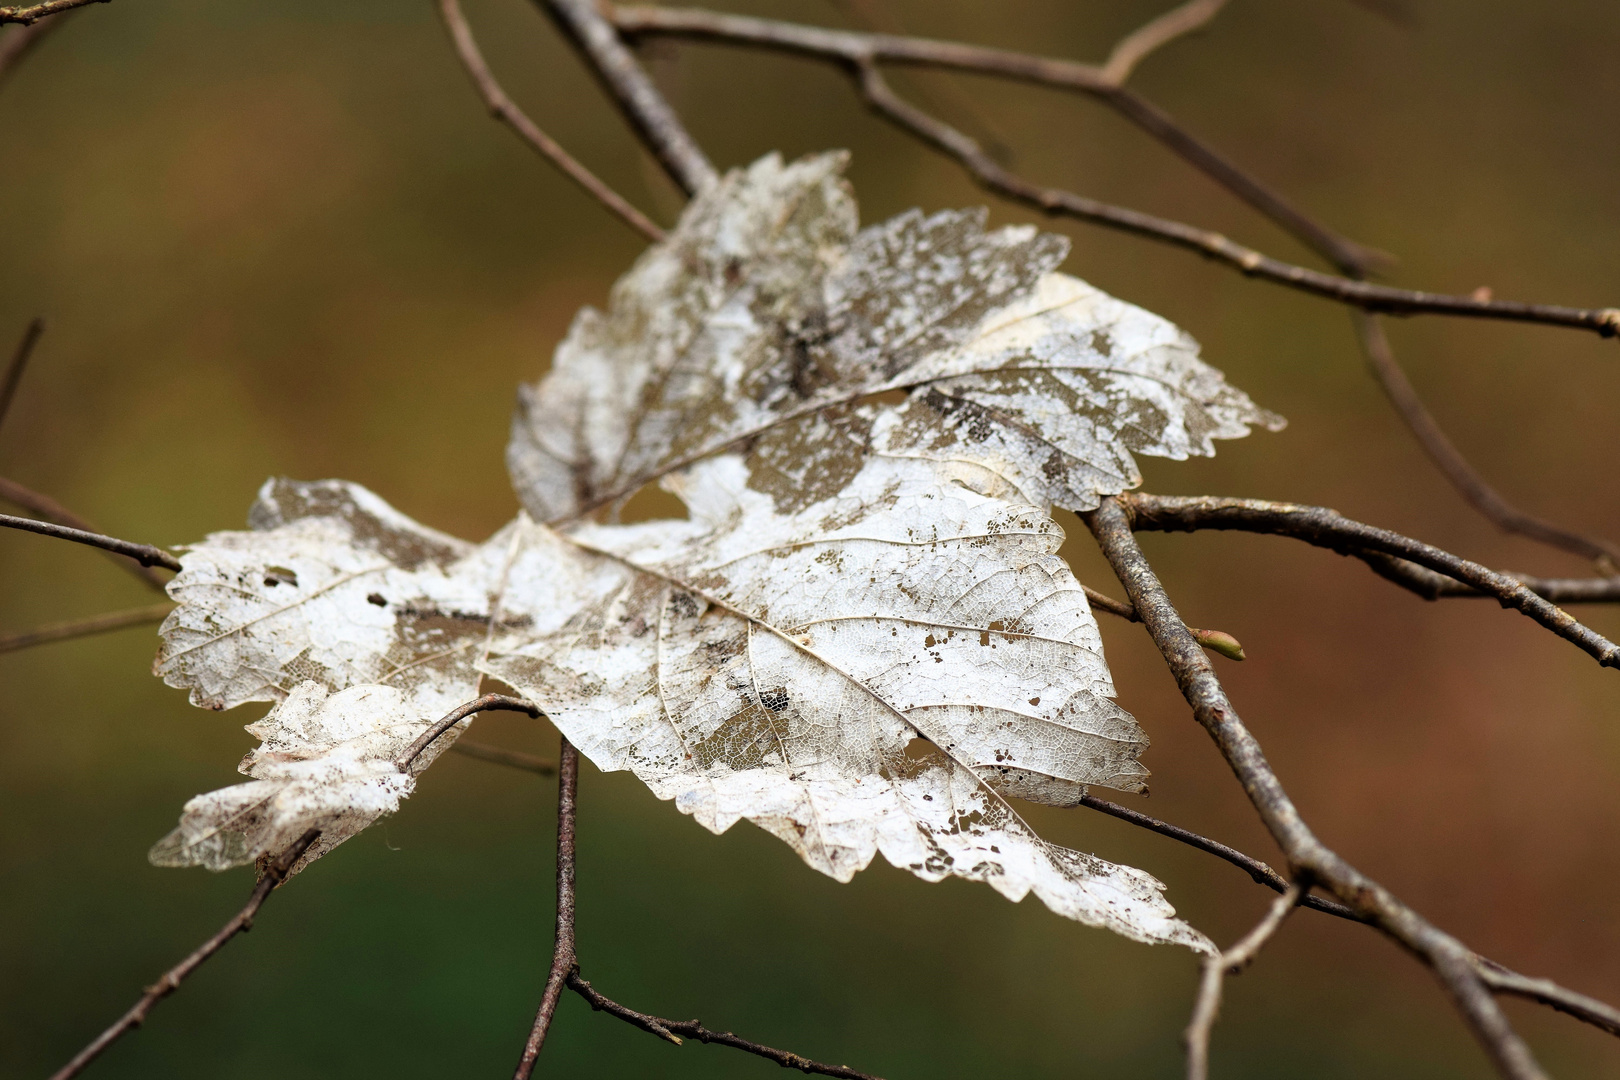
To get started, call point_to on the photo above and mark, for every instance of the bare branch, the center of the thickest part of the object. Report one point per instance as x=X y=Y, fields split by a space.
x=1217 y=968
x=487 y=703
x=51 y=510
x=674 y=1030
x=499 y=755
x=1432 y=586
x=1329 y=529
x=1549 y=993
x=36 y=327
x=1499 y=978
x=628 y=83
x=145 y=554
x=1469 y=484
x=1453 y=963
x=860 y=52
x=29 y=14
x=76 y=628
x=563 y=962
x=273 y=874
x=503 y=108
x=1134 y=47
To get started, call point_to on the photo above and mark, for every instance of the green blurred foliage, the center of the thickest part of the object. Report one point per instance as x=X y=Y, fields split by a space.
x=284 y=239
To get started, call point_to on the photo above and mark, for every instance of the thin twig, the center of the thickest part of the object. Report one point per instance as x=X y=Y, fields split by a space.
x=675 y=1030
x=1329 y=529
x=274 y=873
x=563 y=960
x=860 y=52
x=1453 y=963
x=145 y=554
x=36 y=326
x=1454 y=467
x=1546 y=992
x=487 y=703
x=632 y=89
x=1134 y=47
x=504 y=109
x=77 y=628
x=499 y=755
x=1432 y=586
x=1499 y=978
x=1259 y=871
x=48 y=508
x=1217 y=968
x=33 y=13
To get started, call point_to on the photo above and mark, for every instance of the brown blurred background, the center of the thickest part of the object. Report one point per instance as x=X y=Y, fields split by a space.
x=284 y=239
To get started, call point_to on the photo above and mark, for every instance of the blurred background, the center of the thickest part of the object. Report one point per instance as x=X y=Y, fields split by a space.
x=285 y=239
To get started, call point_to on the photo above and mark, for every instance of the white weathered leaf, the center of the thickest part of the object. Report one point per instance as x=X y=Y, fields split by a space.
x=862 y=639
x=780 y=667
x=765 y=306
x=359 y=624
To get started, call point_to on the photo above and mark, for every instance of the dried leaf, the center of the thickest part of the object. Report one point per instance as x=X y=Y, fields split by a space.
x=861 y=639
x=765 y=306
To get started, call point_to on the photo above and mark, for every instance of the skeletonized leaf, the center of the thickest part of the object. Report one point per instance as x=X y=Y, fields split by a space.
x=359 y=624
x=862 y=639
x=765 y=306
x=873 y=672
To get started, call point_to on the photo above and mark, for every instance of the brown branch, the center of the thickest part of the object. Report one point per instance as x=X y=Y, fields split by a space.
x=1134 y=47
x=632 y=89
x=487 y=703
x=859 y=53
x=563 y=961
x=1499 y=978
x=504 y=109
x=29 y=14
x=51 y=510
x=1259 y=871
x=1329 y=529
x=1453 y=963
x=499 y=755
x=1454 y=467
x=1217 y=968
x=675 y=1030
x=1432 y=586
x=274 y=873
x=77 y=628
x=1547 y=992
x=145 y=554
x=36 y=327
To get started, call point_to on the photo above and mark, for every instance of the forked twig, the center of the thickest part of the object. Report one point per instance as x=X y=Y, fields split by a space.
x=860 y=53
x=1499 y=978
x=632 y=89
x=1456 y=468
x=504 y=109
x=77 y=628
x=273 y=874
x=1329 y=529
x=1230 y=962
x=563 y=960
x=674 y=1031
x=1134 y=47
x=1453 y=963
